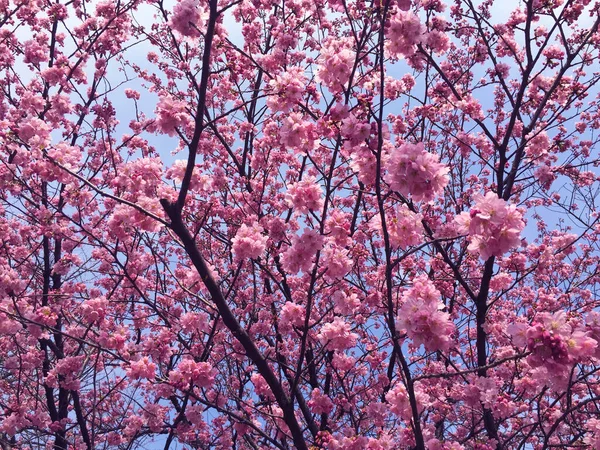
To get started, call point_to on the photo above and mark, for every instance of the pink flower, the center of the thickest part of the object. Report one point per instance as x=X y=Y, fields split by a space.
x=404 y=228
x=305 y=195
x=130 y=93
x=438 y=41
x=142 y=368
x=336 y=335
x=399 y=401
x=404 y=33
x=592 y=437
x=187 y=18
x=195 y=413
x=554 y=343
x=421 y=316
x=288 y=89
x=35 y=52
x=297 y=133
x=592 y=324
x=320 y=403
x=345 y=304
x=414 y=171
x=249 y=242
x=35 y=132
x=94 y=309
x=260 y=386
x=193 y=322
x=493 y=226
x=170 y=115
x=300 y=255
x=200 y=374
x=337 y=262
x=355 y=131
x=292 y=314
x=335 y=64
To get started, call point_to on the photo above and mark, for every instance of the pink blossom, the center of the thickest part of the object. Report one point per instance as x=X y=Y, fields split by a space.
x=292 y=314
x=305 y=196
x=399 y=401
x=288 y=89
x=35 y=52
x=421 y=316
x=193 y=322
x=335 y=64
x=94 y=309
x=337 y=261
x=438 y=41
x=133 y=94
x=188 y=18
x=299 y=256
x=13 y=423
x=143 y=368
x=354 y=130
x=195 y=414
x=336 y=335
x=554 y=343
x=249 y=242
x=170 y=115
x=411 y=170
x=260 y=386
x=298 y=133
x=592 y=438
x=345 y=303
x=35 y=132
x=493 y=226
x=320 y=403
x=404 y=227
x=404 y=33
x=200 y=374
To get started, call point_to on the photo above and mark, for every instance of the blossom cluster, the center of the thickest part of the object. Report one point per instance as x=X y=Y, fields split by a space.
x=335 y=65
x=337 y=335
x=555 y=343
x=288 y=89
x=493 y=226
x=404 y=227
x=249 y=242
x=412 y=170
x=188 y=18
x=299 y=256
x=422 y=317
x=305 y=195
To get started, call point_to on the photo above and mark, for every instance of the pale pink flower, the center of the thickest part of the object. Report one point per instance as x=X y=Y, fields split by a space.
x=554 y=343
x=171 y=114
x=35 y=52
x=142 y=368
x=320 y=403
x=337 y=335
x=421 y=317
x=296 y=132
x=188 y=18
x=404 y=33
x=305 y=195
x=287 y=89
x=404 y=228
x=292 y=314
x=411 y=170
x=299 y=256
x=335 y=64
x=337 y=262
x=493 y=226
x=249 y=242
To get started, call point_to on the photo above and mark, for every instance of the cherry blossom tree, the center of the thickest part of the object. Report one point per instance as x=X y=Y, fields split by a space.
x=277 y=224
